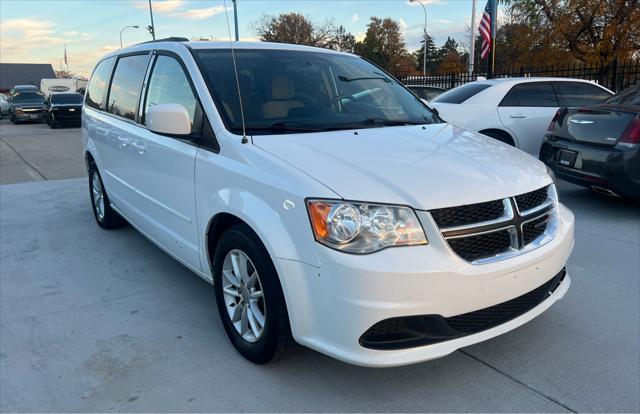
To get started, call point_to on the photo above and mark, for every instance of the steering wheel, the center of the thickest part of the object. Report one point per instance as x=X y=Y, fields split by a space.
x=339 y=98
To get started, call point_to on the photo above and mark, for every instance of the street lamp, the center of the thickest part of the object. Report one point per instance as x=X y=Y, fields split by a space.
x=424 y=55
x=123 y=29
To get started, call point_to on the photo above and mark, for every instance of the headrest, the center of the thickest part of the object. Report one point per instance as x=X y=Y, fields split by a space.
x=282 y=88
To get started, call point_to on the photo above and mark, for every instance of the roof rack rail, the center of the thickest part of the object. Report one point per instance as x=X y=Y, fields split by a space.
x=167 y=39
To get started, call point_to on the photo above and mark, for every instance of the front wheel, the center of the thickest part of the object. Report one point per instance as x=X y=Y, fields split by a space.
x=249 y=297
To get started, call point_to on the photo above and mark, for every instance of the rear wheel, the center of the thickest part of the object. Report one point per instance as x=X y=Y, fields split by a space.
x=106 y=217
x=249 y=296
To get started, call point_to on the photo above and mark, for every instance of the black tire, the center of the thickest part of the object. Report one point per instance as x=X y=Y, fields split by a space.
x=500 y=136
x=276 y=337
x=109 y=219
x=13 y=119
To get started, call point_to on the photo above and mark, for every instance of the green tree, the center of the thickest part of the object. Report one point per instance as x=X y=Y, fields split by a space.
x=433 y=58
x=343 y=40
x=450 y=58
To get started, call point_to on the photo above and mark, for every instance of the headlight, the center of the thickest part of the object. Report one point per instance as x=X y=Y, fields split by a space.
x=362 y=227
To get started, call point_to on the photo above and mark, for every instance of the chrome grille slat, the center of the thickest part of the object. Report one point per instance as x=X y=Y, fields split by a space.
x=526 y=229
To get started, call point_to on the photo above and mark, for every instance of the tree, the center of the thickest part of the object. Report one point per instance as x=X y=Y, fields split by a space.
x=343 y=40
x=593 y=31
x=450 y=59
x=294 y=28
x=63 y=74
x=433 y=59
x=383 y=44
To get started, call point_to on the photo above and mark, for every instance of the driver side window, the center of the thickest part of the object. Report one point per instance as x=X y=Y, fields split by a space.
x=169 y=84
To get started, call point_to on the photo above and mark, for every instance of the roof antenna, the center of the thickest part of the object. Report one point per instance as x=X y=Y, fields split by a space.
x=235 y=71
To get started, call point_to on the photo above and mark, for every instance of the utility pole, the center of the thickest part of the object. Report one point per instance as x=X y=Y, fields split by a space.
x=424 y=57
x=152 y=28
x=472 y=54
x=235 y=18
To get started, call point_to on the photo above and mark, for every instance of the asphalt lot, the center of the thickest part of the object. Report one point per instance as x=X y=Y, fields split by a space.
x=94 y=320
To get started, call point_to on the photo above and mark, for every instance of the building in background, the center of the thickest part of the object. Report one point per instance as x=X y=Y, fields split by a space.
x=23 y=74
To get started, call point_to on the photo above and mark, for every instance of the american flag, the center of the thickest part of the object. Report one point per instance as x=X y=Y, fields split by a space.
x=485 y=30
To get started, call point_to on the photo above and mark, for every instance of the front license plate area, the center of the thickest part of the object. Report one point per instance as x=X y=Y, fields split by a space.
x=567 y=158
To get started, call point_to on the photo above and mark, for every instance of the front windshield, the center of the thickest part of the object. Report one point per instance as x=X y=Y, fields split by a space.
x=66 y=98
x=300 y=91
x=21 y=97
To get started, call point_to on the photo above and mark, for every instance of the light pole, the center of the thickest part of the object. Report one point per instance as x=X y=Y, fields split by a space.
x=123 y=29
x=424 y=55
x=235 y=18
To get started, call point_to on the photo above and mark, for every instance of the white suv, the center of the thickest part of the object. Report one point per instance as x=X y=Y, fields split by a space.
x=349 y=218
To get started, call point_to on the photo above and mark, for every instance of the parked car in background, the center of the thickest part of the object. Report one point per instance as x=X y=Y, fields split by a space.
x=63 y=109
x=4 y=105
x=26 y=106
x=22 y=88
x=349 y=218
x=515 y=110
x=598 y=146
x=426 y=92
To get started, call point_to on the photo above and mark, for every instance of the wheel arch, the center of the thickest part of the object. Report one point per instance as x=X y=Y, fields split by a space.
x=495 y=132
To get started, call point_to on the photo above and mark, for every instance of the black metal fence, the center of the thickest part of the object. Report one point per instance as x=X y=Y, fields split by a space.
x=615 y=76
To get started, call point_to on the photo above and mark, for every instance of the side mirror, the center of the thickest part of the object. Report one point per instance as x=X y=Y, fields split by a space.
x=168 y=119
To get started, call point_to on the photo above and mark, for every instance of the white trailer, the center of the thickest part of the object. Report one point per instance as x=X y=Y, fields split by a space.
x=48 y=86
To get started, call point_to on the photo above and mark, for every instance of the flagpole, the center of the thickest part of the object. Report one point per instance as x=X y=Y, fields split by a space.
x=472 y=55
x=494 y=29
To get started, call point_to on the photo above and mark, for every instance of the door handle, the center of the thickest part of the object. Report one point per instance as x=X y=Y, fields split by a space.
x=139 y=147
x=124 y=142
x=517 y=116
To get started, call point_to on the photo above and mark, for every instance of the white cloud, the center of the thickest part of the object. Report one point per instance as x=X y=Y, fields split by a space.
x=443 y=21
x=425 y=2
x=161 y=6
x=197 y=14
x=355 y=18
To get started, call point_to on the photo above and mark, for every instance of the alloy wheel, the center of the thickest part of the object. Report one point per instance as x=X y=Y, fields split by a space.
x=243 y=295
x=97 y=194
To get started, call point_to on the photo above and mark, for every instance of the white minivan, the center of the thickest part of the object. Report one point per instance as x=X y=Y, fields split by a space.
x=326 y=203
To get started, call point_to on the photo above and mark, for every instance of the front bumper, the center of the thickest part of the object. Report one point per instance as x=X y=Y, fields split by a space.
x=332 y=306
x=614 y=168
x=29 y=116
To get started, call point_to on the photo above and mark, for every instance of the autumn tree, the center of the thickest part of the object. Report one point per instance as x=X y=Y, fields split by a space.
x=294 y=28
x=593 y=31
x=383 y=44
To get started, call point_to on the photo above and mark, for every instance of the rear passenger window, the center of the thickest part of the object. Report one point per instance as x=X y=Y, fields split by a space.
x=126 y=84
x=580 y=93
x=536 y=94
x=98 y=85
x=461 y=93
x=169 y=84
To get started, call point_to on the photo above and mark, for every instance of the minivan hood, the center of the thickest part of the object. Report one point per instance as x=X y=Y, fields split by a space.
x=428 y=167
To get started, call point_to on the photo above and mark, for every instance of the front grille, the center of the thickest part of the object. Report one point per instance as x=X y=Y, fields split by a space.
x=494 y=230
x=531 y=200
x=412 y=331
x=534 y=229
x=481 y=246
x=472 y=213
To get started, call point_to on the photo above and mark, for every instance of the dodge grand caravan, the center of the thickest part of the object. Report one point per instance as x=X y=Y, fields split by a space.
x=326 y=203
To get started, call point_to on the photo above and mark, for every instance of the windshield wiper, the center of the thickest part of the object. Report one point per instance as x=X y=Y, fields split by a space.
x=345 y=79
x=280 y=126
x=390 y=122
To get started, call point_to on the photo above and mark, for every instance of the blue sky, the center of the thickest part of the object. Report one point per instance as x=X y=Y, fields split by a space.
x=35 y=31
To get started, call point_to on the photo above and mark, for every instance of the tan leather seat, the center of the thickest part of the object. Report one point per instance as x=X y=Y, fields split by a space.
x=282 y=92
